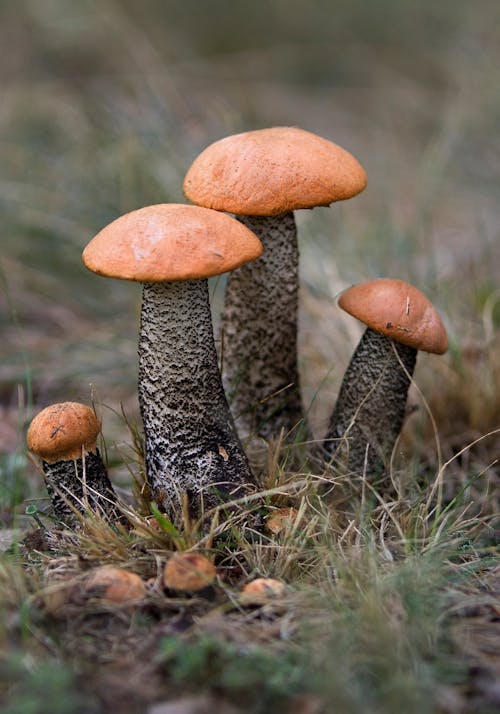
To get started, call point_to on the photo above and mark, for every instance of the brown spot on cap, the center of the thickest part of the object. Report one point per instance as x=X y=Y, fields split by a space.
x=272 y=171
x=188 y=572
x=169 y=242
x=399 y=311
x=63 y=431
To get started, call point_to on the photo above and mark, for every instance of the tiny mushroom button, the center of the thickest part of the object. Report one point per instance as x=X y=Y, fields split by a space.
x=191 y=445
x=370 y=408
x=263 y=176
x=116 y=585
x=189 y=572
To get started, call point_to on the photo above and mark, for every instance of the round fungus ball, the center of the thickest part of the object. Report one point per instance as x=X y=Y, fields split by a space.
x=261 y=591
x=116 y=585
x=188 y=572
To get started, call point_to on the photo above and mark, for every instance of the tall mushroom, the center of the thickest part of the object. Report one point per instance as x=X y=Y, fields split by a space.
x=262 y=177
x=370 y=408
x=191 y=445
x=64 y=436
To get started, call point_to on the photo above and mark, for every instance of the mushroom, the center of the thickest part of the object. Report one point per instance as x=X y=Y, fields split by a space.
x=282 y=520
x=262 y=590
x=190 y=442
x=188 y=572
x=64 y=436
x=370 y=408
x=262 y=177
x=115 y=585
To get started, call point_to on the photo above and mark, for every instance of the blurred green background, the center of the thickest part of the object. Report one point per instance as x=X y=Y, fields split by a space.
x=105 y=103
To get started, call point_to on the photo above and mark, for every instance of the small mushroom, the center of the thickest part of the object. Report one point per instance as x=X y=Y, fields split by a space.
x=282 y=520
x=188 y=572
x=262 y=177
x=261 y=591
x=64 y=436
x=370 y=408
x=190 y=442
x=115 y=585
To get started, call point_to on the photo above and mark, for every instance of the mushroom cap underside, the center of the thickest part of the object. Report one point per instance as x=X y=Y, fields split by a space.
x=399 y=311
x=268 y=172
x=63 y=431
x=170 y=242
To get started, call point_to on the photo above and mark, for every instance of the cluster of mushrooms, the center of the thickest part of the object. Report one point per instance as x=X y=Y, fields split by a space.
x=193 y=439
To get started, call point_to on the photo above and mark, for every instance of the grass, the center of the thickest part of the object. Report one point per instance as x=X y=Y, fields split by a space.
x=366 y=623
x=392 y=598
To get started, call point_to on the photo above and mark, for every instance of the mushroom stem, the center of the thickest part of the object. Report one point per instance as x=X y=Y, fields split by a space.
x=370 y=408
x=191 y=445
x=80 y=484
x=259 y=327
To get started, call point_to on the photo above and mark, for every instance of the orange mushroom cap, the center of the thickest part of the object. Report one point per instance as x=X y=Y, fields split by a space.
x=262 y=590
x=63 y=432
x=399 y=311
x=115 y=584
x=282 y=519
x=169 y=242
x=272 y=171
x=188 y=572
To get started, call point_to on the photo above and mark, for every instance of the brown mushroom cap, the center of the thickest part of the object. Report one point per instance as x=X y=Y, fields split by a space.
x=169 y=242
x=63 y=431
x=188 y=572
x=115 y=584
x=282 y=519
x=261 y=590
x=399 y=311
x=272 y=171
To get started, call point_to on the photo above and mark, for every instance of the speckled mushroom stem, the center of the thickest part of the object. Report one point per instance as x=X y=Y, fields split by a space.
x=80 y=484
x=191 y=445
x=370 y=408
x=259 y=327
